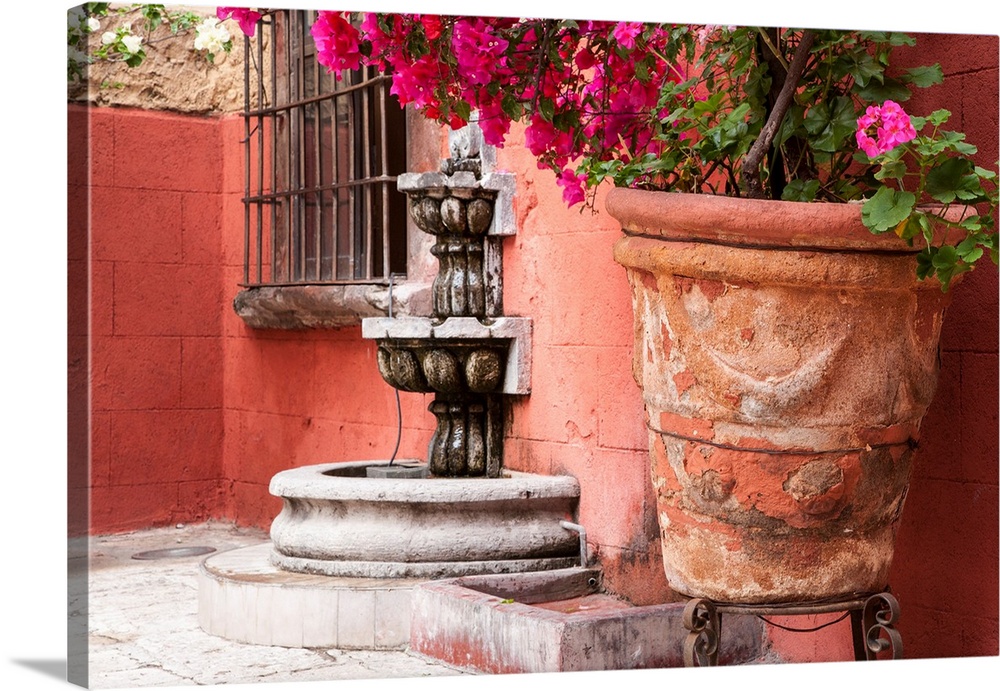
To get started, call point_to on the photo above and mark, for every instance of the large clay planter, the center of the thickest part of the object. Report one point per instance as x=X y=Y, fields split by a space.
x=786 y=357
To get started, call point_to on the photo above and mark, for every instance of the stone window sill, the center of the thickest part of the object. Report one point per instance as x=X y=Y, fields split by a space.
x=328 y=306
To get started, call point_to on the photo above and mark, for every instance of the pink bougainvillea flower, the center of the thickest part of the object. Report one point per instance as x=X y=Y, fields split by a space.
x=883 y=128
x=584 y=59
x=337 y=46
x=572 y=185
x=626 y=32
x=414 y=82
x=246 y=18
x=447 y=67
x=479 y=50
x=432 y=25
x=493 y=121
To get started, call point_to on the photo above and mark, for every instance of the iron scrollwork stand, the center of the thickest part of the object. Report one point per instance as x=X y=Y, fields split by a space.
x=873 y=620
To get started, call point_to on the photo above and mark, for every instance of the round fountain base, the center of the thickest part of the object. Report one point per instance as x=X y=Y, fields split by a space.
x=243 y=597
x=338 y=521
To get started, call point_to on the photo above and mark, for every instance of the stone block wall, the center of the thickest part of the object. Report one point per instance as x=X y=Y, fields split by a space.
x=155 y=349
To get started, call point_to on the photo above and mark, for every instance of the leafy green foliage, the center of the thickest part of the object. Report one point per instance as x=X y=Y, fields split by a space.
x=714 y=112
x=937 y=168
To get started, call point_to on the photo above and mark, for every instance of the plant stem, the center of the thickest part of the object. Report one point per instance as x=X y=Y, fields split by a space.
x=774 y=50
x=751 y=164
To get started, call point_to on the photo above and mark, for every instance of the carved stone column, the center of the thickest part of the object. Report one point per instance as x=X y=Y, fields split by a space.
x=462 y=352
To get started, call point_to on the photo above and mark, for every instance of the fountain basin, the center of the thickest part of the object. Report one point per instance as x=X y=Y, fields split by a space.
x=336 y=521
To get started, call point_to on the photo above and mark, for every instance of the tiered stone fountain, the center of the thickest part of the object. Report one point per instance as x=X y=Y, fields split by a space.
x=353 y=539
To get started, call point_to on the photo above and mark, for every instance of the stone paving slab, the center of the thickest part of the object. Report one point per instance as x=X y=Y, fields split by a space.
x=144 y=623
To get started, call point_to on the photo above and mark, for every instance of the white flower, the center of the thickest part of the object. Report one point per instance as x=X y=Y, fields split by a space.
x=211 y=35
x=132 y=43
x=93 y=24
x=109 y=37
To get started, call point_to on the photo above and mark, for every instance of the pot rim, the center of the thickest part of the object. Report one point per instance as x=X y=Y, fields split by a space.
x=760 y=223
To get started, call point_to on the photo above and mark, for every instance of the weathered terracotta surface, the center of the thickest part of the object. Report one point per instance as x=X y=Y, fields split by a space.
x=784 y=389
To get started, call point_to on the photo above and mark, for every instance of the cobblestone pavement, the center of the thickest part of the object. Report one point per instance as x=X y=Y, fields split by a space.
x=144 y=624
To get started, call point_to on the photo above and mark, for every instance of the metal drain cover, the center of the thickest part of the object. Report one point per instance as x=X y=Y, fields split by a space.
x=174 y=553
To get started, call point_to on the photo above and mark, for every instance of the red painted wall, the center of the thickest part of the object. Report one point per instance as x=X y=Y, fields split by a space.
x=156 y=424
x=193 y=412
x=296 y=398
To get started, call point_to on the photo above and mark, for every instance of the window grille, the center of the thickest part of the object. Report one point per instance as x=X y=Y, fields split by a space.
x=322 y=156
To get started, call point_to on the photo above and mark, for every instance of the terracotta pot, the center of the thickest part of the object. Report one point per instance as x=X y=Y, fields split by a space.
x=786 y=357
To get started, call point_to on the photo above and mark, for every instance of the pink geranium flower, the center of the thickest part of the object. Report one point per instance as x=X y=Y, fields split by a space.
x=883 y=128
x=246 y=18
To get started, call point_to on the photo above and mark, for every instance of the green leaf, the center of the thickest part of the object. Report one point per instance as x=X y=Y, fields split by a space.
x=925 y=267
x=790 y=124
x=864 y=69
x=939 y=117
x=972 y=256
x=945 y=257
x=945 y=180
x=890 y=90
x=917 y=224
x=462 y=110
x=547 y=109
x=926 y=228
x=923 y=77
x=642 y=71
x=891 y=169
x=887 y=209
x=831 y=127
x=986 y=174
x=512 y=107
x=800 y=190
x=966 y=246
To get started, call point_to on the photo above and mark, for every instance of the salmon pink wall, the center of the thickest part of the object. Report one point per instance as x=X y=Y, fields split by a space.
x=296 y=399
x=584 y=416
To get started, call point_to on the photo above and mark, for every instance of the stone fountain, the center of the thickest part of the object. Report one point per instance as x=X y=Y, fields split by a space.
x=353 y=539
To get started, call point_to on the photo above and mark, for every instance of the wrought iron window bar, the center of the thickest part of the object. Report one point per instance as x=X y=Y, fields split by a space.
x=321 y=158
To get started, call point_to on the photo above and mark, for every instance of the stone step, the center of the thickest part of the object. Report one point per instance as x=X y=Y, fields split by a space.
x=243 y=597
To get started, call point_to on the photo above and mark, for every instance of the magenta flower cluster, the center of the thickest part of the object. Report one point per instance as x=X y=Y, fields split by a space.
x=883 y=128
x=597 y=88
x=246 y=18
